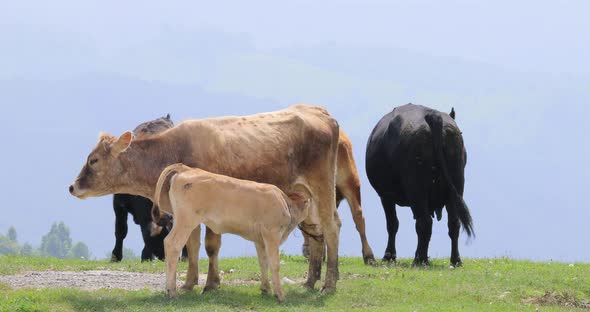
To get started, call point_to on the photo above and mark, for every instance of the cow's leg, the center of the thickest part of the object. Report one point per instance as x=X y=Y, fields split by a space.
x=324 y=202
x=332 y=235
x=212 y=245
x=423 y=230
x=454 y=228
x=456 y=170
x=392 y=227
x=272 y=254
x=316 y=251
x=352 y=192
x=147 y=253
x=192 y=247
x=263 y=262
x=305 y=247
x=120 y=230
x=157 y=245
x=173 y=244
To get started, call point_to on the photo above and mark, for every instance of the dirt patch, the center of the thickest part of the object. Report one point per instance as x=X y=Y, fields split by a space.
x=93 y=280
x=552 y=298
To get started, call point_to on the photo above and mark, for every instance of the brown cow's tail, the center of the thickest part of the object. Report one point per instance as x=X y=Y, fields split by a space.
x=163 y=219
x=434 y=120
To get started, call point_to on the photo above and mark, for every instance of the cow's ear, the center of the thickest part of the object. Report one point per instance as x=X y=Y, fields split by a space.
x=122 y=143
x=452 y=113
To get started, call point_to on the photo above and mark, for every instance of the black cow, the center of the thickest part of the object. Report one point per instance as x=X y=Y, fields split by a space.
x=140 y=207
x=416 y=157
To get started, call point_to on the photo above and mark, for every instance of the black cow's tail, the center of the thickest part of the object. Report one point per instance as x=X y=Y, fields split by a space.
x=163 y=219
x=434 y=120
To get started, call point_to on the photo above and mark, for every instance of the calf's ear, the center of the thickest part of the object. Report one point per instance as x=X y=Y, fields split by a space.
x=122 y=143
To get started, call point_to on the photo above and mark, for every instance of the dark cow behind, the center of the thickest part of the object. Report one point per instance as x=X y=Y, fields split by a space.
x=139 y=207
x=416 y=157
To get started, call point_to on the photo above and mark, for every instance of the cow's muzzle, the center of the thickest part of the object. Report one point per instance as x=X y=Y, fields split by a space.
x=76 y=191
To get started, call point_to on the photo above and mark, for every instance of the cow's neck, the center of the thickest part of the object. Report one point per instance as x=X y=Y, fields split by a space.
x=145 y=159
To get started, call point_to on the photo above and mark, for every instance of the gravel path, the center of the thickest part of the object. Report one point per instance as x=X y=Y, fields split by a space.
x=105 y=279
x=89 y=280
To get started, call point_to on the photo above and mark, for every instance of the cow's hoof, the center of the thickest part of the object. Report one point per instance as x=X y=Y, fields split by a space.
x=308 y=286
x=171 y=293
x=420 y=262
x=328 y=290
x=281 y=299
x=188 y=287
x=115 y=258
x=388 y=258
x=456 y=264
x=370 y=260
x=265 y=292
x=210 y=288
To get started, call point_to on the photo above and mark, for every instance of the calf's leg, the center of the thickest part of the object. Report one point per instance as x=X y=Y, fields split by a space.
x=263 y=262
x=173 y=245
x=212 y=245
x=192 y=247
x=272 y=254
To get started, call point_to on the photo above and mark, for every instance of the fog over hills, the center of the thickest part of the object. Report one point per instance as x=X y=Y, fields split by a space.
x=66 y=77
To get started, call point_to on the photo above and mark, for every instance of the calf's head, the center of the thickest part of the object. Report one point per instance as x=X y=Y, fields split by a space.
x=103 y=167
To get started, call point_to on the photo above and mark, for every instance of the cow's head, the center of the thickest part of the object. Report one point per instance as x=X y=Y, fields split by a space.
x=103 y=167
x=154 y=126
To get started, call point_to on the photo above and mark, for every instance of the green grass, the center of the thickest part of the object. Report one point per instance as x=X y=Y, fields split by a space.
x=483 y=284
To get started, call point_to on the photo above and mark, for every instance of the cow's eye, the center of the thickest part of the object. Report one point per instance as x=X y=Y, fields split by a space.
x=93 y=161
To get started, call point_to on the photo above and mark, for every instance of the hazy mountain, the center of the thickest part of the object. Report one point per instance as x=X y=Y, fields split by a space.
x=517 y=74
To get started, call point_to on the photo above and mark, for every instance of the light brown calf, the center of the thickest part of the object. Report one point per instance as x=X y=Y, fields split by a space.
x=258 y=212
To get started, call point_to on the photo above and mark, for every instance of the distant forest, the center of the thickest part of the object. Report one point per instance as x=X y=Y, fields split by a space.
x=56 y=243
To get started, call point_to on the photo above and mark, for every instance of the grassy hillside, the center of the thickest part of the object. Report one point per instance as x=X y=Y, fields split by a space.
x=483 y=284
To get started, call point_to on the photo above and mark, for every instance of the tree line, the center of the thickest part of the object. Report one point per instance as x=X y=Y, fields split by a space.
x=56 y=243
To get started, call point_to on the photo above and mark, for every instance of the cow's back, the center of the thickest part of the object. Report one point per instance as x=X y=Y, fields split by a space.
x=401 y=141
x=273 y=148
x=387 y=148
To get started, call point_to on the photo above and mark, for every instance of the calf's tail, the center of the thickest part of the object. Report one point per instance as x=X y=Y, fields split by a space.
x=163 y=219
x=434 y=120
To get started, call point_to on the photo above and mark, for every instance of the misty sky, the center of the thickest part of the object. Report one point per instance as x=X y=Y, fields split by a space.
x=518 y=75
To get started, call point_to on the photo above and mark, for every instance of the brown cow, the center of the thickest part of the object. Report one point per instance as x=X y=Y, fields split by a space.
x=295 y=144
x=258 y=212
x=348 y=186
